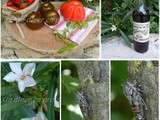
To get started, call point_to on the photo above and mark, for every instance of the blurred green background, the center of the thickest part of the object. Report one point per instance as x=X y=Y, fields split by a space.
x=70 y=86
x=120 y=107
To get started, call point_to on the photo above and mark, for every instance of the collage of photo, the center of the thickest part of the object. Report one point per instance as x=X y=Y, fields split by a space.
x=80 y=60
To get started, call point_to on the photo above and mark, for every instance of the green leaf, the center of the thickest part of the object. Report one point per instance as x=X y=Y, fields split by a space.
x=104 y=23
x=126 y=17
x=11 y=106
x=24 y=111
x=8 y=90
x=124 y=5
x=84 y=24
x=27 y=111
x=92 y=17
x=125 y=38
x=51 y=91
x=105 y=30
x=44 y=68
x=4 y=69
x=71 y=25
x=68 y=98
x=70 y=83
x=69 y=47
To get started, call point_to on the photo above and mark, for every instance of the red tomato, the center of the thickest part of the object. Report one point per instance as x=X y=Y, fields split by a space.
x=23 y=5
x=16 y=1
x=30 y=1
x=73 y=11
x=9 y=3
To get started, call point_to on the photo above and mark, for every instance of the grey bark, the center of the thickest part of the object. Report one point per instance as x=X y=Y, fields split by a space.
x=146 y=73
x=94 y=77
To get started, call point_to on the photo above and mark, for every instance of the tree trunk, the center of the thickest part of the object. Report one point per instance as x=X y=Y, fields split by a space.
x=94 y=79
x=146 y=73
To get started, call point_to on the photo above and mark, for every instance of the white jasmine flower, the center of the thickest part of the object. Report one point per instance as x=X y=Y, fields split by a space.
x=56 y=102
x=22 y=77
x=67 y=72
x=114 y=28
x=39 y=116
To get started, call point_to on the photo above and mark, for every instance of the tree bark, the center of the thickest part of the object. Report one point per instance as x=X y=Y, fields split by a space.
x=94 y=79
x=146 y=74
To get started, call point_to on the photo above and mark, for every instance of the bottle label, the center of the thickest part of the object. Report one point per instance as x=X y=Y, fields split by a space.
x=141 y=31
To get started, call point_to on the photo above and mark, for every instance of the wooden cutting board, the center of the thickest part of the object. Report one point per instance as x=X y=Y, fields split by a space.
x=42 y=40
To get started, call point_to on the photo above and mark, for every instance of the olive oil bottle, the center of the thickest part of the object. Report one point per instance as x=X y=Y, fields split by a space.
x=141 y=27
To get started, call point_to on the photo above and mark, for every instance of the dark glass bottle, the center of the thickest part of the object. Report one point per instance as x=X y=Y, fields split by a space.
x=141 y=23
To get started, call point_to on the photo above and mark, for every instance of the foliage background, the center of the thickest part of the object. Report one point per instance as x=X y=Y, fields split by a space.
x=70 y=87
x=118 y=12
x=23 y=105
x=120 y=107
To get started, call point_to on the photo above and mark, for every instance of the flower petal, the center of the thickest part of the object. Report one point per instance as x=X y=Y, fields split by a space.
x=29 y=69
x=40 y=116
x=21 y=86
x=10 y=77
x=29 y=82
x=16 y=68
x=56 y=102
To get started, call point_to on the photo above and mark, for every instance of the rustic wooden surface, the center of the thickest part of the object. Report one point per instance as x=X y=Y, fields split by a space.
x=115 y=48
x=10 y=48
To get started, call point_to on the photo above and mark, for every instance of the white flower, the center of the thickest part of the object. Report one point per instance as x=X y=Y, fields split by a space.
x=56 y=102
x=39 y=116
x=67 y=72
x=22 y=77
x=113 y=28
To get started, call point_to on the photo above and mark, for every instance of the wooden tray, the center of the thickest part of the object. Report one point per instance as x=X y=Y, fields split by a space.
x=42 y=40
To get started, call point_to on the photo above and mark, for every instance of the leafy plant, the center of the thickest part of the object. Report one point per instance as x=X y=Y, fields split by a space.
x=119 y=74
x=119 y=12
x=91 y=3
x=70 y=86
x=34 y=99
